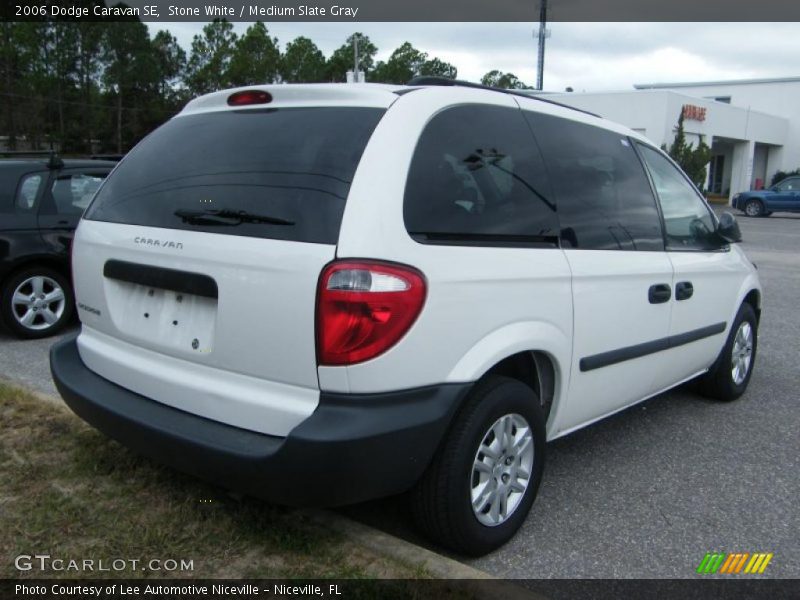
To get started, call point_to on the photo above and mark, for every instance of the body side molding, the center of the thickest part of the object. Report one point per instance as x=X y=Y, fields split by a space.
x=619 y=355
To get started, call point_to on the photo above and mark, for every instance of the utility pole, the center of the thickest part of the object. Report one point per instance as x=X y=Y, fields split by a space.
x=355 y=58
x=542 y=36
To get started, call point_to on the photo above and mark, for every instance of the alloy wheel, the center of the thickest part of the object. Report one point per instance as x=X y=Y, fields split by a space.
x=38 y=303
x=501 y=471
x=753 y=209
x=742 y=353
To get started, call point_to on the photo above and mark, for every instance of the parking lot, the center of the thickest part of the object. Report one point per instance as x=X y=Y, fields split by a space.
x=646 y=493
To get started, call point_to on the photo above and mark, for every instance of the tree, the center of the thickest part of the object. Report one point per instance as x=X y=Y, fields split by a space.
x=170 y=60
x=131 y=78
x=438 y=68
x=61 y=48
x=89 y=68
x=692 y=159
x=303 y=62
x=405 y=63
x=74 y=84
x=19 y=60
x=256 y=57
x=169 y=93
x=210 y=58
x=507 y=81
x=341 y=60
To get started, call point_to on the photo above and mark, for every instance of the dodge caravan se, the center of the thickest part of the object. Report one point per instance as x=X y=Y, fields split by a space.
x=324 y=294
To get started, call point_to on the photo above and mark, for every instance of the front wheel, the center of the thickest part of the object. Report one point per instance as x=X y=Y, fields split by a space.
x=36 y=303
x=481 y=484
x=728 y=378
x=754 y=208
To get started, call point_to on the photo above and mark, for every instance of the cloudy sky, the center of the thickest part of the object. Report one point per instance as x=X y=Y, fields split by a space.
x=585 y=56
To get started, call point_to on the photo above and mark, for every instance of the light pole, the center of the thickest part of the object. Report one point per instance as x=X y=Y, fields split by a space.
x=542 y=36
x=355 y=57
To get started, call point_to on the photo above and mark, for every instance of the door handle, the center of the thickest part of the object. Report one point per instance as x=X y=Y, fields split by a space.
x=683 y=290
x=659 y=293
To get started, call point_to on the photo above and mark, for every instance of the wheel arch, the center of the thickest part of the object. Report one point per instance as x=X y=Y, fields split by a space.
x=44 y=260
x=753 y=298
x=760 y=199
x=533 y=368
x=537 y=354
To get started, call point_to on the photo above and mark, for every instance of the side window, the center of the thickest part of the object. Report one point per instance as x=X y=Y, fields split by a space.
x=687 y=219
x=477 y=177
x=72 y=192
x=28 y=190
x=604 y=199
x=788 y=185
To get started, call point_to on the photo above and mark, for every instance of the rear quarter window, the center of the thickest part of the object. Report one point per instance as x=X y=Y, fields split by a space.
x=291 y=165
x=28 y=191
x=477 y=177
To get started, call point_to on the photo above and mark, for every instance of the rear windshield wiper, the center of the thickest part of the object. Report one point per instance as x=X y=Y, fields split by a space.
x=227 y=217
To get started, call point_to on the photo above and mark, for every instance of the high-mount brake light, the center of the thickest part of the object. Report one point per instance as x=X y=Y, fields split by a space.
x=364 y=308
x=248 y=97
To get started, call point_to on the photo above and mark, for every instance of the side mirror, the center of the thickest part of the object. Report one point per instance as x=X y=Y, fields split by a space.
x=728 y=228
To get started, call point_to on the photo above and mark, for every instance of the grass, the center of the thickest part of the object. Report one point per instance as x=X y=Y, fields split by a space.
x=67 y=491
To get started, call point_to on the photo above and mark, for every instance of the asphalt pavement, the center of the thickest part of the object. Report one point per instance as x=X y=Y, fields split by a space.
x=648 y=492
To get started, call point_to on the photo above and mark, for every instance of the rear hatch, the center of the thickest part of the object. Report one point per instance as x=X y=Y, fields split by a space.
x=197 y=263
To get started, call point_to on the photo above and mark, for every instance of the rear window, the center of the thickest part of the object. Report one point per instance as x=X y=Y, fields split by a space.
x=270 y=173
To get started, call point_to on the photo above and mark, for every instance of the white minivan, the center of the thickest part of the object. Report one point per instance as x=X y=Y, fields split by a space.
x=324 y=294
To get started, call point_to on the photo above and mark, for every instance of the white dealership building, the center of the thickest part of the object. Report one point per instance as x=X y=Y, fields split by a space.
x=752 y=126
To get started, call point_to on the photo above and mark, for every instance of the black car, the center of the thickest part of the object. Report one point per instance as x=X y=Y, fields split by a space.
x=41 y=202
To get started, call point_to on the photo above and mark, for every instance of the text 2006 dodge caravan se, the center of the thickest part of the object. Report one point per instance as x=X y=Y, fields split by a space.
x=323 y=294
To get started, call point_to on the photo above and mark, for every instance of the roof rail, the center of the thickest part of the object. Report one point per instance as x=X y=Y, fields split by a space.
x=445 y=81
x=54 y=161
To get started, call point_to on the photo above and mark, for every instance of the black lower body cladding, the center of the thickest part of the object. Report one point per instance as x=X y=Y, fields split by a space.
x=353 y=448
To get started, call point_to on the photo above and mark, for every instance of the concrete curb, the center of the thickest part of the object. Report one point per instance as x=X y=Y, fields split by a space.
x=474 y=582
x=396 y=548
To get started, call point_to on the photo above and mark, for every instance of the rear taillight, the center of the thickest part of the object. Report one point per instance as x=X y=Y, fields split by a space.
x=364 y=308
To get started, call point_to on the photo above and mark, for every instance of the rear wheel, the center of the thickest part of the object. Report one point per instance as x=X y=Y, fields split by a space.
x=36 y=303
x=480 y=486
x=728 y=378
x=754 y=208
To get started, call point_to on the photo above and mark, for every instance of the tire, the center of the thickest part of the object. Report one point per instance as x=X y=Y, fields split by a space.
x=442 y=501
x=33 y=318
x=723 y=382
x=754 y=208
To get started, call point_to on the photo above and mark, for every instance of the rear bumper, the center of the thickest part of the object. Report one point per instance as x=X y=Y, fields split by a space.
x=352 y=448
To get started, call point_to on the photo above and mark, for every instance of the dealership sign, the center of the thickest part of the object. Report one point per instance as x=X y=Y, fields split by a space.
x=694 y=113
